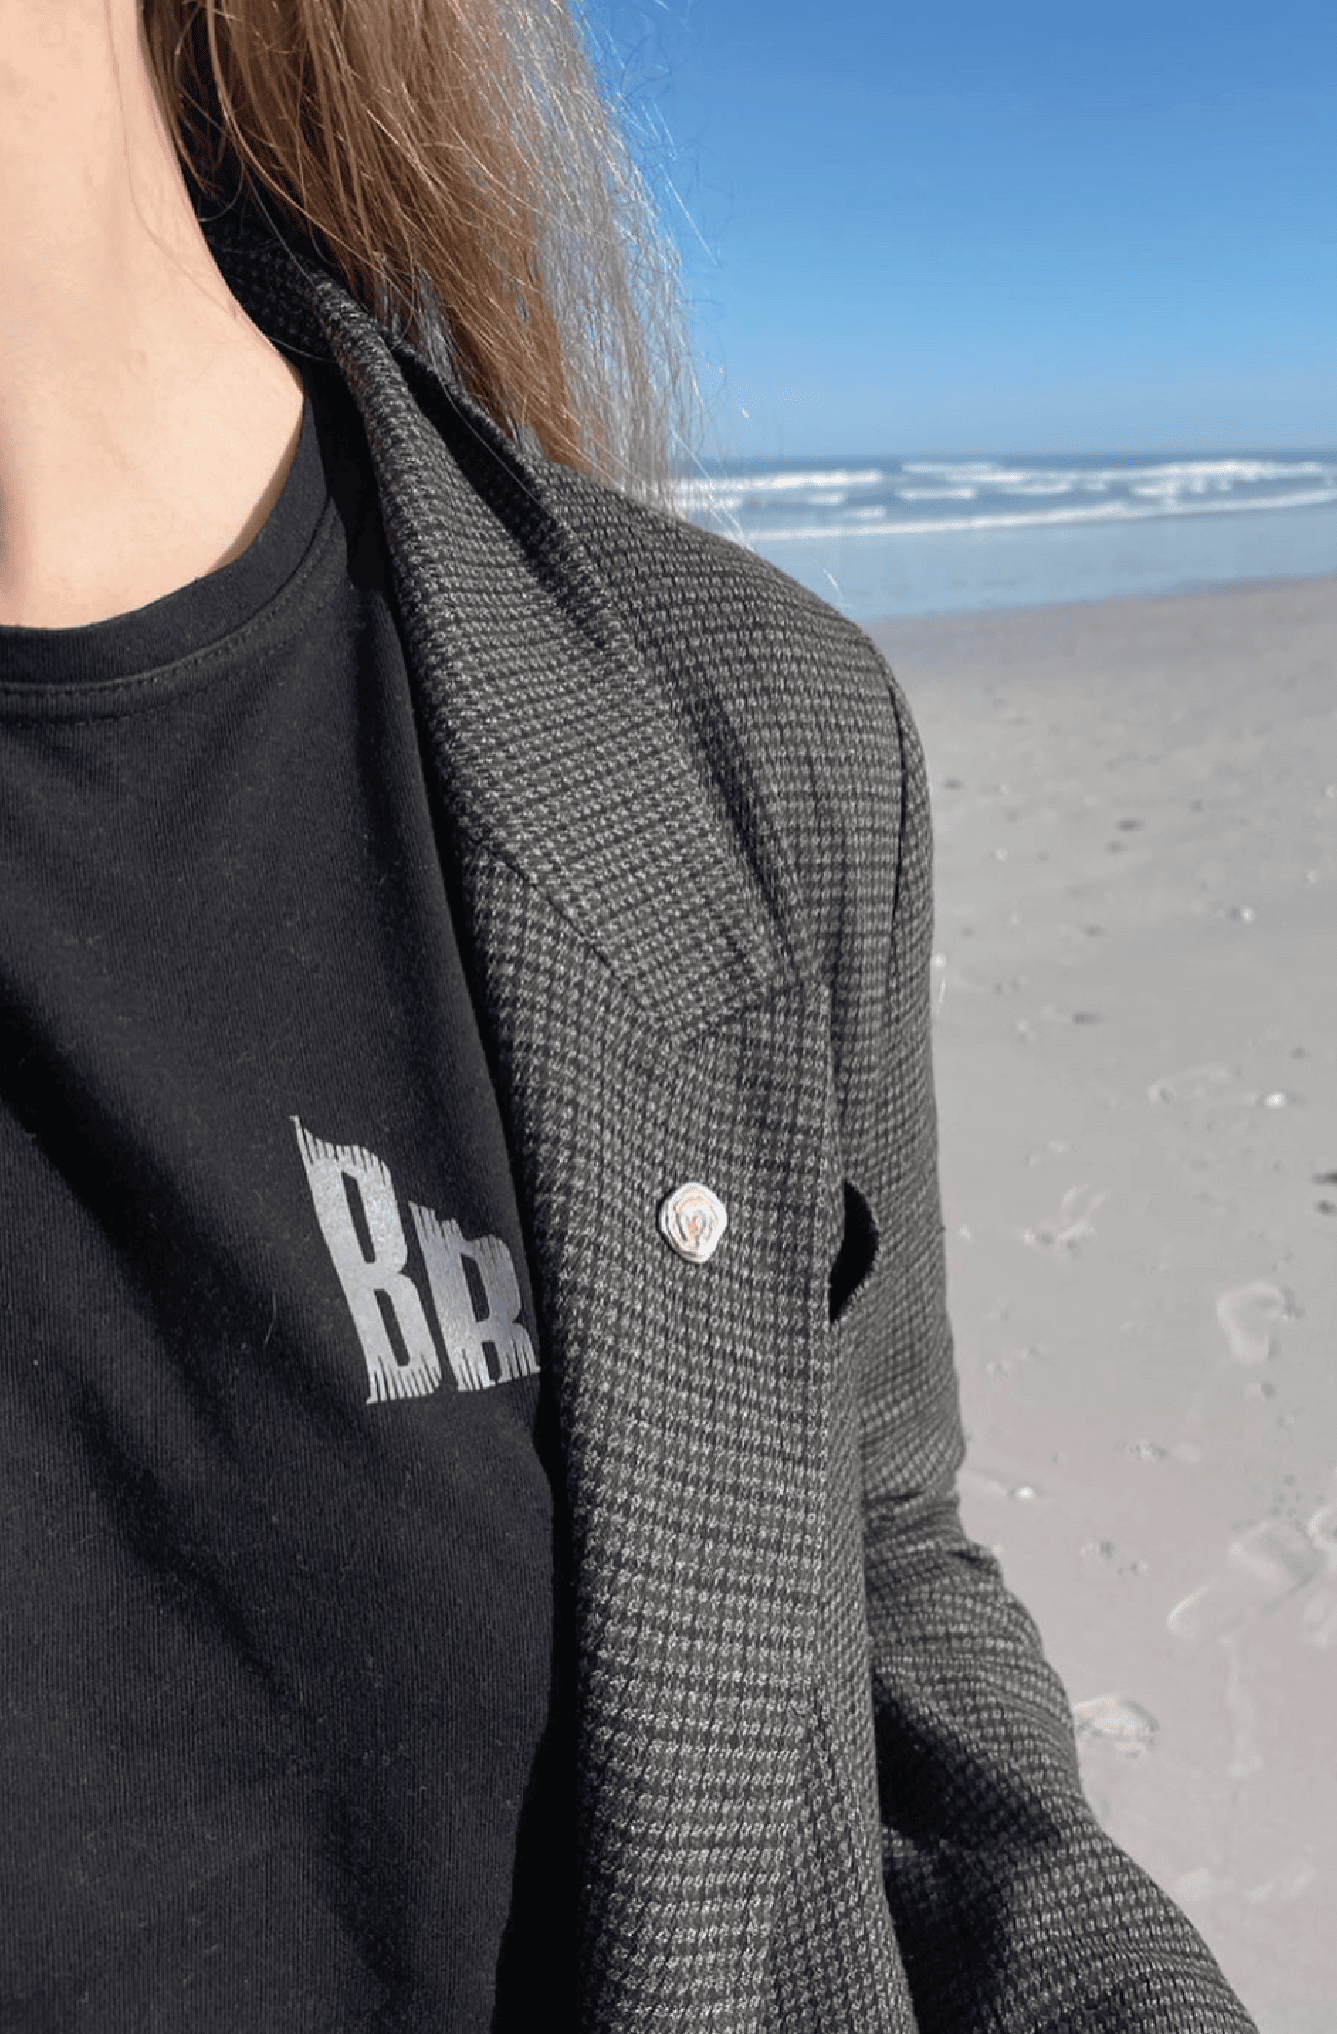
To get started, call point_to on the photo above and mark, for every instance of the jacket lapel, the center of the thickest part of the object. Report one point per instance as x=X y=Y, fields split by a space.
x=650 y=1026
x=693 y=1407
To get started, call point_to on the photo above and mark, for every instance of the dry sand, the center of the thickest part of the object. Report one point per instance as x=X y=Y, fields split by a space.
x=1136 y=1037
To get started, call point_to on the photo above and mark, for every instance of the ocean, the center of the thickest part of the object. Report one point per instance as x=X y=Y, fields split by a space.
x=884 y=536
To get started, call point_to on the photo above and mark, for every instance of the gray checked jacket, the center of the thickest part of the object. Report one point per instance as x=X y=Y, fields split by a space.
x=826 y=1779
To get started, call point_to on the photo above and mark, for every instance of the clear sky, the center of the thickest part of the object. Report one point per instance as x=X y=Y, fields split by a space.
x=1046 y=225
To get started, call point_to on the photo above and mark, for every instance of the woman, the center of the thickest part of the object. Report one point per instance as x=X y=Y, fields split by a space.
x=479 y=1416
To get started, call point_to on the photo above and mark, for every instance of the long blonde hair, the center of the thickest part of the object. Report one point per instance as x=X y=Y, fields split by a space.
x=461 y=166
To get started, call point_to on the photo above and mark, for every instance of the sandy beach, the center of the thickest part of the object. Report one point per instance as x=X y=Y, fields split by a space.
x=1135 y=985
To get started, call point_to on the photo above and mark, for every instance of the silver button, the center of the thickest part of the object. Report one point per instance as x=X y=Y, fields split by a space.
x=693 y=1219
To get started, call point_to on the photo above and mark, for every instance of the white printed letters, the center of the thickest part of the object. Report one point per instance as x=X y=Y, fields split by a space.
x=384 y=1300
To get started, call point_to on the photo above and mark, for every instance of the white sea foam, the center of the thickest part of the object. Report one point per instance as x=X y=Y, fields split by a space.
x=1059 y=484
x=1107 y=512
x=936 y=493
x=1023 y=531
x=792 y=481
x=976 y=466
x=1167 y=472
x=792 y=506
x=725 y=496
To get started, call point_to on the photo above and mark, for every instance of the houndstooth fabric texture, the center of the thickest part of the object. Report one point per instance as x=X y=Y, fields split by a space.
x=826 y=1779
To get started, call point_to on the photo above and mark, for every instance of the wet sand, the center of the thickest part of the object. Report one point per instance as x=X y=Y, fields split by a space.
x=1136 y=1037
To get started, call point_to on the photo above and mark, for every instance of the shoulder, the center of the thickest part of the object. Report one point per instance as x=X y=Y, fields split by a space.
x=743 y=651
x=709 y=601
x=793 y=708
x=792 y=719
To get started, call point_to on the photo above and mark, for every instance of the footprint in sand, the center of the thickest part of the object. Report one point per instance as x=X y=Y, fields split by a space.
x=1322 y=1531
x=1265 y=1566
x=1113 y=1720
x=1248 y=1318
x=1320 y=1613
x=1199 y=1084
x=1072 y=1223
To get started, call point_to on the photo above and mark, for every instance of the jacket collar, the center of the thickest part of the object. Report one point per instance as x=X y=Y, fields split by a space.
x=554 y=747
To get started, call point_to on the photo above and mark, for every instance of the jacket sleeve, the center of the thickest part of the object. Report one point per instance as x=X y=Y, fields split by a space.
x=1013 y=1912
x=1012 y=1908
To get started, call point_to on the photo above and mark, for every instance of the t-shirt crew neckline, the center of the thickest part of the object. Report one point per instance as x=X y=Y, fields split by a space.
x=194 y=617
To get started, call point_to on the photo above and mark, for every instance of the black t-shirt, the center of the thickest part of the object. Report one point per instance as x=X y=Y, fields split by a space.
x=279 y=1742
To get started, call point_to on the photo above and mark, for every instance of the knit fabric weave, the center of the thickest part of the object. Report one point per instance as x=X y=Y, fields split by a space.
x=827 y=1780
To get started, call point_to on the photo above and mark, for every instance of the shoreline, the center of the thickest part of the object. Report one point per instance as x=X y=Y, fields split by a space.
x=1211 y=590
x=998 y=570
x=1135 y=821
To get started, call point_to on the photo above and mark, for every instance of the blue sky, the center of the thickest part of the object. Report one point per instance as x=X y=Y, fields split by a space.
x=969 y=226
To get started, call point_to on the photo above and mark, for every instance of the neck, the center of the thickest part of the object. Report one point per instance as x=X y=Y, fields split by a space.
x=146 y=425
